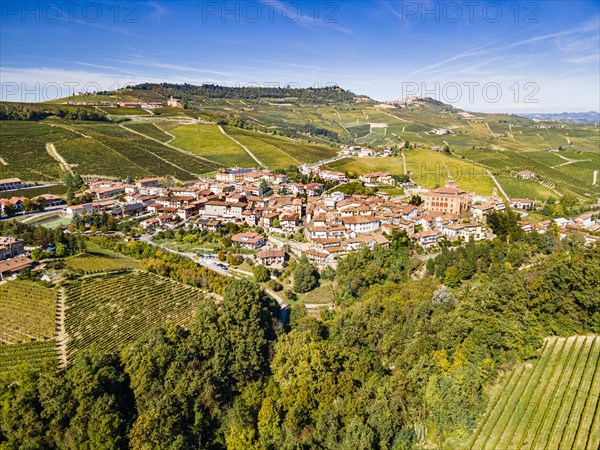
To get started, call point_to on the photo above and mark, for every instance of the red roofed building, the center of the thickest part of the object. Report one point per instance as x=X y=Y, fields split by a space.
x=250 y=240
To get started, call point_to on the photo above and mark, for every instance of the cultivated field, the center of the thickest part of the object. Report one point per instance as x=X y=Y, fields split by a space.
x=23 y=150
x=94 y=264
x=276 y=151
x=150 y=130
x=551 y=404
x=112 y=311
x=54 y=189
x=32 y=354
x=100 y=149
x=208 y=142
x=27 y=312
x=427 y=168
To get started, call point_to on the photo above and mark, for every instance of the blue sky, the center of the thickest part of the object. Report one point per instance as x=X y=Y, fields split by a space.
x=483 y=56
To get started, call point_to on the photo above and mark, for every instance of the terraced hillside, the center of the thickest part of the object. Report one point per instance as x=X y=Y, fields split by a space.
x=23 y=150
x=551 y=404
x=501 y=143
x=186 y=143
x=112 y=311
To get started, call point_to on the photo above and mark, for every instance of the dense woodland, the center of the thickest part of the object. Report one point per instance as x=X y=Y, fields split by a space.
x=303 y=95
x=401 y=361
x=39 y=111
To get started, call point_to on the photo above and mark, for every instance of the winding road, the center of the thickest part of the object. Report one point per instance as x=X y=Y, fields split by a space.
x=148 y=239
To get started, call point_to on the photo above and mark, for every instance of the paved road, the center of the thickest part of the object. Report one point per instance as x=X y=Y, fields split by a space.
x=147 y=238
x=34 y=214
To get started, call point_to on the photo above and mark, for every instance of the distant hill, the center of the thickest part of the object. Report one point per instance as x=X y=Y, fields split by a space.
x=115 y=134
x=305 y=95
x=569 y=117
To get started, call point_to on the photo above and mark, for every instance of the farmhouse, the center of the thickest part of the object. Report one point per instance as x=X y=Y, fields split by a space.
x=10 y=183
x=130 y=209
x=525 y=174
x=87 y=208
x=521 y=203
x=48 y=200
x=15 y=203
x=215 y=208
x=15 y=265
x=467 y=232
x=333 y=176
x=426 y=239
x=319 y=259
x=368 y=240
x=147 y=183
x=150 y=224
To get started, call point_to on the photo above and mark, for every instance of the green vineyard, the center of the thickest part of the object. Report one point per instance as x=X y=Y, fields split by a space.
x=552 y=404
x=27 y=312
x=94 y=264
x=32 y=354
x=116 y=310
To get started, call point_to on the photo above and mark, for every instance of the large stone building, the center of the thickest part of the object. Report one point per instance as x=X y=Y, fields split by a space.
x=448 y=200
x=11 y=247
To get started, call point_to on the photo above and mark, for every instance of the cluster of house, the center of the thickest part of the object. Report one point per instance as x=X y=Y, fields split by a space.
x=171 y=102
x=333 y=224
x=12 y=256
x=364 y=152
x=336 y=224
x=16 y=205
x=582 y=225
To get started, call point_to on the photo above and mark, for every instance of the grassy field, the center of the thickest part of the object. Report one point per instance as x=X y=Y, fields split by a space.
x=89 y=156
x=208 y=142
x=148 y=155
x=323 y=295
x=277 y=151
x=124 y=111
x=551 y=404
x=101 y=149
x=94 y=264
x=427 y=168
x=27 y=312
x=150 y=130
x=501 y=143
x=112 y=311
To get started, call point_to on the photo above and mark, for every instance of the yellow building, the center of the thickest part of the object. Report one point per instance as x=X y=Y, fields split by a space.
x=448 y=200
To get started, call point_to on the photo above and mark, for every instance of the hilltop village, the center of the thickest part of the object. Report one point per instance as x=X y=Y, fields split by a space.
x=278 y=216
